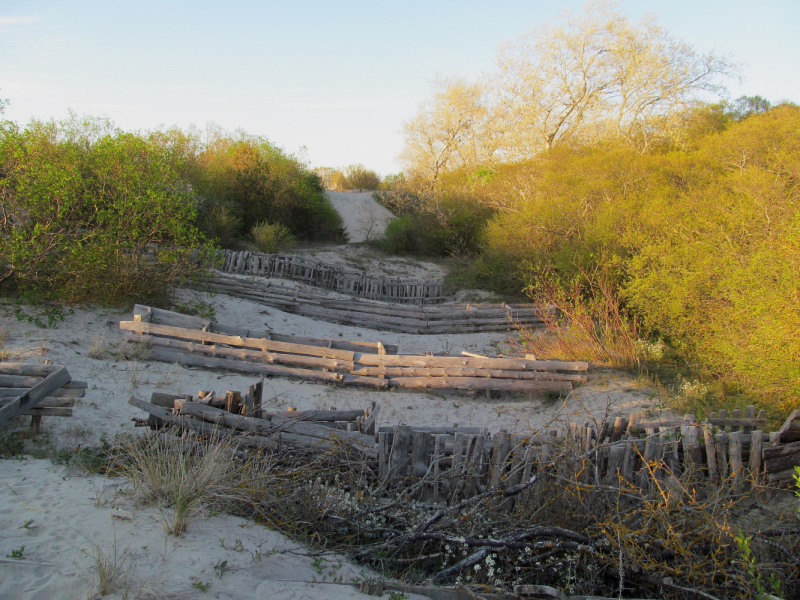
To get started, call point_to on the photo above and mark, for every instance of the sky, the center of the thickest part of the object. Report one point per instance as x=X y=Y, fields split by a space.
x=329 y=81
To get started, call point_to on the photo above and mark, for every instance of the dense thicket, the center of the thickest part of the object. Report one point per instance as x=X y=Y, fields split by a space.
x=702 y=241
x=91 y=213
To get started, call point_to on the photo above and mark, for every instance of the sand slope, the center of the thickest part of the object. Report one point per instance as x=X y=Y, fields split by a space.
x=364 y=219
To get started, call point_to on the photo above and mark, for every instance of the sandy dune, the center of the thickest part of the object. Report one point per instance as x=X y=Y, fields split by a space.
x=364 y=219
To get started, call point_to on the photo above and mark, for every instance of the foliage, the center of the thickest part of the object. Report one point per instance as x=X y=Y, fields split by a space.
x=450 y=226
x=272 y=238
x=593 y=76
x=242 y=180
x=90 y=213
x=358 y=177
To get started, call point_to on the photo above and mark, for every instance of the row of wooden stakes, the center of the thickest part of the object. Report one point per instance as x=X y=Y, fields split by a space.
x=177 y=338
x=332 y=277
x=439 y=319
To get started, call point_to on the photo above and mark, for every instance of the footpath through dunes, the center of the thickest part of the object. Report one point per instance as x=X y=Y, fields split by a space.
x=364 y=219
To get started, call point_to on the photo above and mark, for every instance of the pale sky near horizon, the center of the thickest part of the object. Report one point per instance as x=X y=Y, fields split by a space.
x=336 y=77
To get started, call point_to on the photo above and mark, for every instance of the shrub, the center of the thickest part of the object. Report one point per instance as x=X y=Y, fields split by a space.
x=358 y=177
x=92 y=214
x=272 y=238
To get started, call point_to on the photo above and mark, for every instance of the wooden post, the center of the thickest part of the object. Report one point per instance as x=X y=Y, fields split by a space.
x=420 y=442
x=711 y=453
x=692 y=451
x=502 y=444
x=399 y=459
x=756 y=447
x=233 y=401
x=721 y=443
x=735 y=440
x=383 y=454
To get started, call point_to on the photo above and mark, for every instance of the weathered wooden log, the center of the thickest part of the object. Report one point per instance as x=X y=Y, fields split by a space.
x=27 y=369
x=246 y=342
x=45 y=411
x=515 y=364
x=465 y=372
x=28 y=400
x=735 y=447
x=317 y=415
x=479 y=384
x=13 y=392
x=23 y=381
x=790 y=430
x=756 y=449
x=782 y=457
x=256 y=355
x=168 y=317
x=49 y=402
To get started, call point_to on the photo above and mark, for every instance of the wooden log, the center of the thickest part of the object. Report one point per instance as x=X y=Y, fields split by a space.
x=29 y=399
x=164 y=400
x=475 y=467
x=49 y=402
x=44 y=411
x=27 y=369
x=479 y=383
x=248 y=367
x=240 y=353
x=511 y=364
x=735 y=441
x=23 y=381
x=790 y=430
x=59 y=393
x=247 y=342
x=465 y=372
x=782 y=457
x=614 y=470
x=317 y=415
x=438 y=456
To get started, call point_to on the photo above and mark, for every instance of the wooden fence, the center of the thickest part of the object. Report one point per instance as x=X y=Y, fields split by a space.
x=332 y=277
x=36 y=390
x=449 y=464
x=444 y=319
x=178 y=338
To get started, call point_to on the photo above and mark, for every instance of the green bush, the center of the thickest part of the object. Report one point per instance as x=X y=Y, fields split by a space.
x=271 y=238
x=92 y=214
x=245 y=180
x=358 y=177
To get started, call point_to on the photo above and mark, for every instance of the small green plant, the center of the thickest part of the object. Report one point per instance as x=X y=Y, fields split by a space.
x=203 y=586
x=28 y=525
x=17 y=554
x=272 y=237
x=221 y=568
x=398 y=596
x=201 y=309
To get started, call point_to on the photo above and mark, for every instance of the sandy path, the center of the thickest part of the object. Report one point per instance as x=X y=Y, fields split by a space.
x=364 y=219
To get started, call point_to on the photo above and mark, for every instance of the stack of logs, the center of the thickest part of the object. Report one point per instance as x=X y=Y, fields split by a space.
x=194 y=341
x=449 y=318
x=256 y=427
x=332 y=277
x=36 y=390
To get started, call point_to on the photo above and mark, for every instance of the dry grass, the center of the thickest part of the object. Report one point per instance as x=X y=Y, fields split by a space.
x=589 y=324
x=177 y=475
x=564 y=527
x=111 y=569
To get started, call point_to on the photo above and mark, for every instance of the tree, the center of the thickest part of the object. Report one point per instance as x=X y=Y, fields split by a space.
x=449 y=130
x=597 y=75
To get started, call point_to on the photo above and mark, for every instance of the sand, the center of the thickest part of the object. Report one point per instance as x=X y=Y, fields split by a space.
x=69 y=514
x=364 y=219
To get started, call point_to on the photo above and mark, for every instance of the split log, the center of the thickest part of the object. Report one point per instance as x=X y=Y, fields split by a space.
x=790 y=430
x=780 y=458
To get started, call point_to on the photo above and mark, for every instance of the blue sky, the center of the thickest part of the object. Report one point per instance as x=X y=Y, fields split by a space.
x=336 y=77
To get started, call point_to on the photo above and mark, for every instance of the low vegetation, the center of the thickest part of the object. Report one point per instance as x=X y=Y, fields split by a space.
x=89 y=212
x=560 y=528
